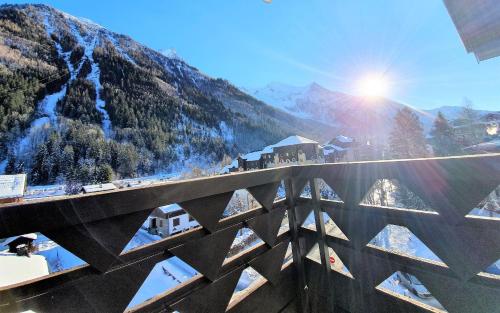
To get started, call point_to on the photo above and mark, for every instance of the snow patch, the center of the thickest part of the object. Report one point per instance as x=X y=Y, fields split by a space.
x=89 y=43
x=119 y=48
x=226 y=132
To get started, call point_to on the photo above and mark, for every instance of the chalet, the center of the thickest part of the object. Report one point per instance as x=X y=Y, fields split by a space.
x=169 y=220
x=12 y=188
x=291 y=150
x=337 y=149
x=345 y=149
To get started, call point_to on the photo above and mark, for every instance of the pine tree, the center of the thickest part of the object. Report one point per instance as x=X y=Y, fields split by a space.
x=467 y=122
x=444 y=141
x=407 y=137
x=104 y=174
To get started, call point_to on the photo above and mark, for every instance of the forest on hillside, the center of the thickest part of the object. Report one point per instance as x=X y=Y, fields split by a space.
x=162 y=112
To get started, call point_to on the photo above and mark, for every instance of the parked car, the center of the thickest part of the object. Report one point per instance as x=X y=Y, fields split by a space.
x=414 y=285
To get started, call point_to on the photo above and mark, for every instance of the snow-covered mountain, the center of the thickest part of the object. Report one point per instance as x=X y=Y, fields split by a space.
x=350 y=114
x=70 y=81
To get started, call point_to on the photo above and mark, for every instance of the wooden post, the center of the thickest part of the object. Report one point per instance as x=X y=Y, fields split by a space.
x=303 y=297
x=321 y=236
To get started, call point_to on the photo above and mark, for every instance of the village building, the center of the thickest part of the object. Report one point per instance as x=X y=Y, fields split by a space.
x=291 y=150
x=169 y=220
x=12 y=188
x=17 y=264
x=483 y=130
x=346 y=149
x=337 y=149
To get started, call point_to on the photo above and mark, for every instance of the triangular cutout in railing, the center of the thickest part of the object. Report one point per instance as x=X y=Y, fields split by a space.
x=489 y=207
x=164 y=276
x=285 y=224
x=400 y=240
x=164 y=221
x=331 y=228
x=245 y=239
x=240 y=202
x=337 y=265
x=310 y=222
x=313 y=254
x=408 y=288
x=281 y=192
x=391 y=193
x=306 y=191
x=248 y=278
x=326 y=191
x=494 y=268
x=288 y=254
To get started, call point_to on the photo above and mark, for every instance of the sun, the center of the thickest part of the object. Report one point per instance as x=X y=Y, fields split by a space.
x=373 y=86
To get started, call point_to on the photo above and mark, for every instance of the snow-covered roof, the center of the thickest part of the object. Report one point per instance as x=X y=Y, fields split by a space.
x=293 y=140
x=253 y=156
x=329 y=149
x=15 y=269
x=98 y=187
x=31 y=236
x=344 y=139
x=12 y=186
x=234 y=164
x=289 y=141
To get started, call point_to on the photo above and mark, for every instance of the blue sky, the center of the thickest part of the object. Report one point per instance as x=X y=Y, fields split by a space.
x=332 y=42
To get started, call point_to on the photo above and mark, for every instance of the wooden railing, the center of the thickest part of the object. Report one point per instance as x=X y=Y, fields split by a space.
x=97 y=227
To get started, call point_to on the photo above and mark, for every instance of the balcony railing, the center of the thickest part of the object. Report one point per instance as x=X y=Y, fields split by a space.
x=97 y=227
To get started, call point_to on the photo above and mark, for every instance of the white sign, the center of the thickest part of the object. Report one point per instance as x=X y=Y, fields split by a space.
x=12 y=186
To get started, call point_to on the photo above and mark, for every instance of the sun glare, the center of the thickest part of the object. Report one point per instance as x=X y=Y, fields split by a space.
x=373 y=85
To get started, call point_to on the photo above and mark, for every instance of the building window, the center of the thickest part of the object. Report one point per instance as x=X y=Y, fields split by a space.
x=176 y=222
x=160 y=223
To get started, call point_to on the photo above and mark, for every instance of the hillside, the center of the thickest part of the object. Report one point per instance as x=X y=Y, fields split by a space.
x=82 y=103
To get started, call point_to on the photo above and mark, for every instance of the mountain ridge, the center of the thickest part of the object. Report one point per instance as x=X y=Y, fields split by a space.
x=317 y=102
